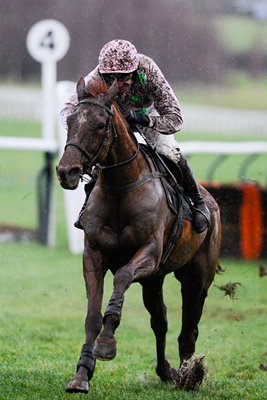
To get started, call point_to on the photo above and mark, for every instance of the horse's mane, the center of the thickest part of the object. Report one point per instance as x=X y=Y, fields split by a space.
x=94 y=89
x=97 y=88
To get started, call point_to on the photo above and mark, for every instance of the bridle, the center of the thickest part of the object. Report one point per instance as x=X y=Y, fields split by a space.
x=106 y=138
x=92 y=161
x=110 y=131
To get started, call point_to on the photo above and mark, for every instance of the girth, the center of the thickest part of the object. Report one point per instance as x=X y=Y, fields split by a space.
x=132 y=186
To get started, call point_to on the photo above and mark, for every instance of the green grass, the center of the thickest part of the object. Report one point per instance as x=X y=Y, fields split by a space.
x=42 y=302
x=242 y=34
x=232 y=169
x=238 y=91
x=18 y=181
x=20 y=128
x=238 y=34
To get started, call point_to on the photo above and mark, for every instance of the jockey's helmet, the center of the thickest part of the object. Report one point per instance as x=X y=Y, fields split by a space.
x=118 y=56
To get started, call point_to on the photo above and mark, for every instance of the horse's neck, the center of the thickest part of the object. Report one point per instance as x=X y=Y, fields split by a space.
x=123 y=149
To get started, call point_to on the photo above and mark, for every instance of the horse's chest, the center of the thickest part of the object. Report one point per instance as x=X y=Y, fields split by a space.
x=111 y=232
x=124 y=227
x=108 y=237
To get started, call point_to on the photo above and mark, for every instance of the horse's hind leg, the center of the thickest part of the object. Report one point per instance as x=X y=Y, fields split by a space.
x=195 y=279
x=153 y=301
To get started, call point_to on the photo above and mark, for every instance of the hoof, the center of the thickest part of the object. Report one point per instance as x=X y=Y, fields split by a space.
x=105 y=351
x=166 y=373
x=78 y=385
x=191 y=374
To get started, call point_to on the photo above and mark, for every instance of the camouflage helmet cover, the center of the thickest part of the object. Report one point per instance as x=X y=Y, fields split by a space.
x=118 y=56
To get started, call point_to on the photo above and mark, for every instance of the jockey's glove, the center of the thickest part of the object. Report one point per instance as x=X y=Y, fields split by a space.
x=132 y=117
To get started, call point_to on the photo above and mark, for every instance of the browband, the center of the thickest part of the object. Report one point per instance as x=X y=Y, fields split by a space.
x=95 y=103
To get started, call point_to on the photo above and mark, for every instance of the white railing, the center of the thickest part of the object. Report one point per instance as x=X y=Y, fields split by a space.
x=20 y=103
x=217 y=120
x=25 y=104
x=229 y=148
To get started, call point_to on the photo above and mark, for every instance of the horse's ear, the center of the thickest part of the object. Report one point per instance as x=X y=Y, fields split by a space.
x=112 y=92
x=80 y=88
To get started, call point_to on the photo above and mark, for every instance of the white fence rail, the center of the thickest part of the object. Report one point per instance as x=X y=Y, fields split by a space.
x=17 y=103
x=232 y=122
x=25 y=104
x=20 y=104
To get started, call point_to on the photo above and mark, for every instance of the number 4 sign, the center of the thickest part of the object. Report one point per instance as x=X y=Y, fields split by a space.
x=48 y=41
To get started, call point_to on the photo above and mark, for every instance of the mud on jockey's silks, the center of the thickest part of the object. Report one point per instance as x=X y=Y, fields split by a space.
x=150 y=90
x=150 y=93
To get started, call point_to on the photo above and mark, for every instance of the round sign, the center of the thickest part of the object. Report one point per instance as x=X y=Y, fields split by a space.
x=48 y=40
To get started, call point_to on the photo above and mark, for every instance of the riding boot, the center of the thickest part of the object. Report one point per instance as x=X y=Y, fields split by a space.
x=201 y=213
x=88 y=187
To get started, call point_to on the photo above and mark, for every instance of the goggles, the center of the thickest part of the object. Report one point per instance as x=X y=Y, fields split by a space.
x=109 y=78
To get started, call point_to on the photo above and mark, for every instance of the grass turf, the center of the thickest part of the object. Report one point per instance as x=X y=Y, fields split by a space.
x=43 y=307
x=42 y=303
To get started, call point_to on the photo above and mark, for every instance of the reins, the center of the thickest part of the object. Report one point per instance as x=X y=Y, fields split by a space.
x=123 y=162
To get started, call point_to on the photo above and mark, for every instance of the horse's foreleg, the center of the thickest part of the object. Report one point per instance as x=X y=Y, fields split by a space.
x=140 y=266
x=153 y=301
x=94 y=278
x=105 y=347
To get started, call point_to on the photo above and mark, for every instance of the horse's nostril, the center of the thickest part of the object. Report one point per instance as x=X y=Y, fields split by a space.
x=73 y=173
x=68 y=174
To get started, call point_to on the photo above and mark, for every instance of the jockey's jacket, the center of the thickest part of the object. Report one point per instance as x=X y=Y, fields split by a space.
x=150 y=93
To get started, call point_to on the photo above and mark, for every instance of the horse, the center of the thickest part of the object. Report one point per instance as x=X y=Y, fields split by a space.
x=127 y=224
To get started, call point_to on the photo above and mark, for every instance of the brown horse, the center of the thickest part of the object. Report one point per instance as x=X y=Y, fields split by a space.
x=127 y=223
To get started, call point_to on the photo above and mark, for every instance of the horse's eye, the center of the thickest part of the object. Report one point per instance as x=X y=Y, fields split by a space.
x=100 y=126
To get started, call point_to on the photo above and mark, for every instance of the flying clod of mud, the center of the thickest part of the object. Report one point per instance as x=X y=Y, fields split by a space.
x=230 y=289
x=191 y=373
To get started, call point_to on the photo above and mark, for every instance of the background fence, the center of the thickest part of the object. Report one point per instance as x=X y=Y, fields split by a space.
x=25 y=104
x=243 y=207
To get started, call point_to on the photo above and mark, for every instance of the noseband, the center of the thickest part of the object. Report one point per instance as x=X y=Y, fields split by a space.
x=105 y=141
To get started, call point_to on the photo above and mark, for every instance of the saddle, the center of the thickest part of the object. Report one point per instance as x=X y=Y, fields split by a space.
x=171 y=181
x=178 y=203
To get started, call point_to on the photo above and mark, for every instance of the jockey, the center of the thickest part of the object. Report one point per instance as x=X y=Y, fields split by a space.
x=146 y=100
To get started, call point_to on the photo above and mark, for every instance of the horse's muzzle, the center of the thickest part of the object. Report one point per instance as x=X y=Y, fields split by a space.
x=68 y=177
